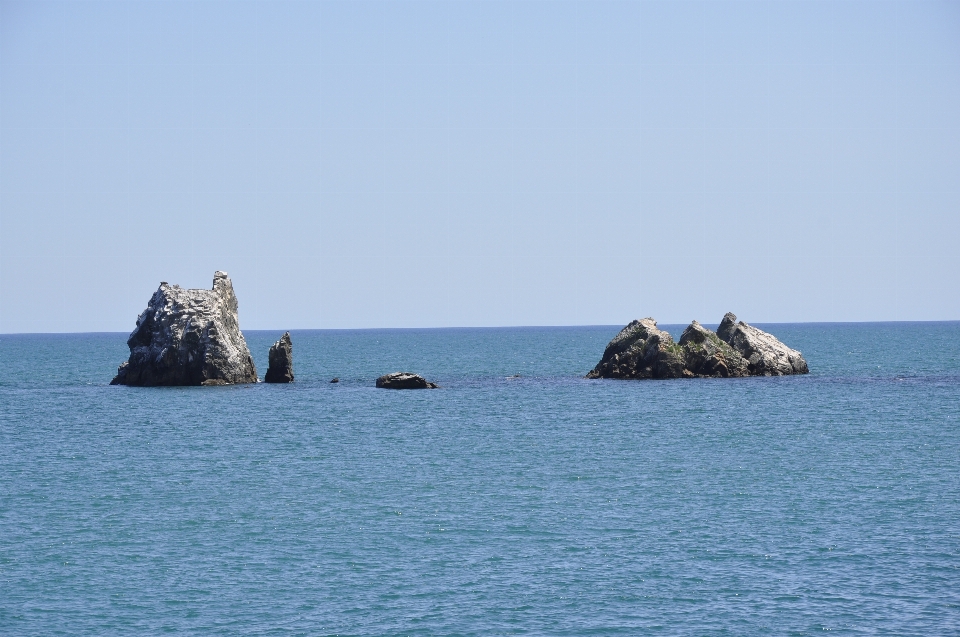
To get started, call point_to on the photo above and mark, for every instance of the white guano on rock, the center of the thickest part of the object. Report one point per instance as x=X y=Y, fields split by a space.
x=189 y=337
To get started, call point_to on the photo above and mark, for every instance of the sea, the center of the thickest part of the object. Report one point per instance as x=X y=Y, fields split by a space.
x=517 y=499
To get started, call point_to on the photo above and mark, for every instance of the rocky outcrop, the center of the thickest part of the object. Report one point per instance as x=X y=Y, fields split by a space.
x=704 y=354
x=404 y=380
x=727 y=325
x=281 y=361
x=188 y=337
x=765 y=355
x=641 y=350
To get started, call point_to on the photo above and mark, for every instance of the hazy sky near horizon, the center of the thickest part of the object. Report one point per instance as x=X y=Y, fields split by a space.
x=400 y=164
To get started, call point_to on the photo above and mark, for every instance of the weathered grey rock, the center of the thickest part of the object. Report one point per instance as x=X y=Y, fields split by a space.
x=764 y=353
x=727 y=325
x=188 y=337
x=281 y=361
x=704 y=354
x=640 y=350
x=404 y=380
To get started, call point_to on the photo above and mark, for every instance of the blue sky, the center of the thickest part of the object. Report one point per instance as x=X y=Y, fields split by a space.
x=399 y=164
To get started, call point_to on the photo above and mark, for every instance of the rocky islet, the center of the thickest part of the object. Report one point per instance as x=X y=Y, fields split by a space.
x=193 y=337
x=736 y=349
x=188 y=337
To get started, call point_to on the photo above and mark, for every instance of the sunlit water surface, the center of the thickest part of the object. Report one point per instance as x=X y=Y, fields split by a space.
x=544 y=504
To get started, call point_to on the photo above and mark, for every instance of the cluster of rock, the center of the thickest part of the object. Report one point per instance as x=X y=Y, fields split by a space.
x=736 y=349
x=193 y=337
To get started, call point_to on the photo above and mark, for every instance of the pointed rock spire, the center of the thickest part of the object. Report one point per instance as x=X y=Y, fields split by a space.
x=281 y=361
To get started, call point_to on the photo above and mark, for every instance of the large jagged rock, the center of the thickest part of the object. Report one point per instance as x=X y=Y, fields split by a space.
x=640 y=350
x=765 y=354
x=404 y=380
x=281 y=361
x=704 y=354
x=188 y=337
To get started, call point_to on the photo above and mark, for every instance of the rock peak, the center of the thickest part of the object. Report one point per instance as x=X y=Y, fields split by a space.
x=281 y=361
x=726 y=326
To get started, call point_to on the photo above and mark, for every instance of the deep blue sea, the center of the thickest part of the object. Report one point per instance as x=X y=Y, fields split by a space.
x=540 y=505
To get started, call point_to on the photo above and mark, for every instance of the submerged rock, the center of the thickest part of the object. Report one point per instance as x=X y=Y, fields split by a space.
x=641 y=350
x=188 y=337
x=764 y=353
x=281 y=361
x=404 y=380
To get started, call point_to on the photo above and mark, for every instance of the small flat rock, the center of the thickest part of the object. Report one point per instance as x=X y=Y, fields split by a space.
x=404 y=380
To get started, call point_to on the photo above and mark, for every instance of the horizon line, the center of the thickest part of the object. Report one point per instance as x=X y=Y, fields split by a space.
x=493 y=327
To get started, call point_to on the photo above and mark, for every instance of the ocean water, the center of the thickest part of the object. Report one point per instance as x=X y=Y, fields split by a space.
x=540 y=505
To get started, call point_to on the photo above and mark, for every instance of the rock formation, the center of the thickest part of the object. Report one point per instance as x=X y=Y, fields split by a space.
x=641 y=350
x=281 y=361
x=704 y=354
x=404 y=380
x=188 y=337
x=765 y=355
